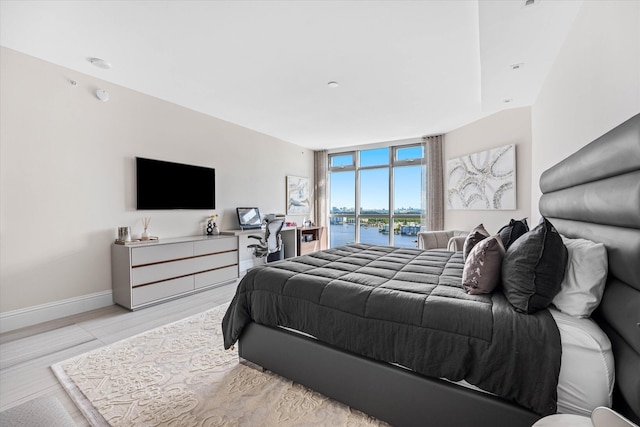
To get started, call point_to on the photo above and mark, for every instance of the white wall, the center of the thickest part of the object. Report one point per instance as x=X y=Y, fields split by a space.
x=593 y=86
x=67 y=175
x=506 y=127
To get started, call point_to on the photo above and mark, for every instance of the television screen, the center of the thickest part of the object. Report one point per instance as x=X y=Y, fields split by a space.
x=167 y=185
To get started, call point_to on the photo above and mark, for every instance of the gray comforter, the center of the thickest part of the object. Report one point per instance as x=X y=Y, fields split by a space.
x=406 y=306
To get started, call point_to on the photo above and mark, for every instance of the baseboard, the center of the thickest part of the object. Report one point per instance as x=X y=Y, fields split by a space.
x=29 y=316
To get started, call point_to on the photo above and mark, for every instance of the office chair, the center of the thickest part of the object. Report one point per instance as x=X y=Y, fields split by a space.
x=272 y=241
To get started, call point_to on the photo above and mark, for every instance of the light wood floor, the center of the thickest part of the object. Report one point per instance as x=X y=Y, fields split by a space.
x=26 y=354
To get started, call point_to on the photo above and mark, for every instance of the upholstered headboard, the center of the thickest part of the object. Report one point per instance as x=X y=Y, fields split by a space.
x=595 y=194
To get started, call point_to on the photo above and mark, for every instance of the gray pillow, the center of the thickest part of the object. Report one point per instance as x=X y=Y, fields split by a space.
x=510 y=232
x=533 y=268
x=481 y=273
x=475 y=236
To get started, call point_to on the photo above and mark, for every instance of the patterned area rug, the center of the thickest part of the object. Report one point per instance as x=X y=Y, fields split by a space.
x=180 y=375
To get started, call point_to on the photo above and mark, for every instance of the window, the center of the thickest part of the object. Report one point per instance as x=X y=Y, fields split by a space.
x=342 y=195
x=377 y=196
x=342 y=161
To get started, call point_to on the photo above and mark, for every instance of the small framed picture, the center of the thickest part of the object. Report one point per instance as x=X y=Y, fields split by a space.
x=298 y=202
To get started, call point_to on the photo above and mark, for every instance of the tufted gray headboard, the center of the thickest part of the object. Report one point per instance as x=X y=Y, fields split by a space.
x=595 y=194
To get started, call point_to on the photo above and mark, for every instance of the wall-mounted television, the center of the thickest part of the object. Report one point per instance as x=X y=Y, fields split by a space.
x=168 y=185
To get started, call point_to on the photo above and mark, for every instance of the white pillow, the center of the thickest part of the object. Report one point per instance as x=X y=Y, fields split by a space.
x=584 y=278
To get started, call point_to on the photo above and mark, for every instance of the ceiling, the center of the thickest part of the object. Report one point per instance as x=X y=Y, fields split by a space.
x=404 y=68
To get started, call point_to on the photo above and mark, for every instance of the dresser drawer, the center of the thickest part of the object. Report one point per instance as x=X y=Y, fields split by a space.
x=149 y=293
x=159 y=253
x=222 y=259
x=216 y=276
x=208 y=262
x=172 y=269
x=219 y=244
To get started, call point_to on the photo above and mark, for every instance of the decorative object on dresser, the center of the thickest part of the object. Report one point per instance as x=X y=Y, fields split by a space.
x=145 y=225
x=212 y=228
x=124 y=235
x=483 y=180
x=298 y=202
x=145 y=275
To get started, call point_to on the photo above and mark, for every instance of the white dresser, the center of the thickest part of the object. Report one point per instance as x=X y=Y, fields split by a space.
x=154 y=272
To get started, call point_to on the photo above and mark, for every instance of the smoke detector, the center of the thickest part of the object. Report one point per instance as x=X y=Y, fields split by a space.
x=102 y=95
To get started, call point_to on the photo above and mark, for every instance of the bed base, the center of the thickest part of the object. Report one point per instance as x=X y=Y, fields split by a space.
x=389 y=393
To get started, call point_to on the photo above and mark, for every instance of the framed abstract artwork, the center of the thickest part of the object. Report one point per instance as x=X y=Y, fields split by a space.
x=298 y=202
x=483 y=180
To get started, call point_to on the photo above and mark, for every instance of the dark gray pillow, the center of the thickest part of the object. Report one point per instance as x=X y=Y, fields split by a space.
x=510 y=232
x=482 y=271
x=476 y=235
x=533 y=268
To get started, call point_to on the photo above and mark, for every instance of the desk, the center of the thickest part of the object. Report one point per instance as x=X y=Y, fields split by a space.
x=291 y=238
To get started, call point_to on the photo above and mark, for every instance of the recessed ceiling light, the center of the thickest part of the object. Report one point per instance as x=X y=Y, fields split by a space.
x=517 y=66
x=100 y=63
x=332 y=84
x=508 y=101
x=530 y=2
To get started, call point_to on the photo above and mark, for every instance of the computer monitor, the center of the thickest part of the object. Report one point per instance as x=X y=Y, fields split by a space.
x=249 y=218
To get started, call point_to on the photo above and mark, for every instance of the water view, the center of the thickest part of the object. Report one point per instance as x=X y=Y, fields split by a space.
x=342 y=234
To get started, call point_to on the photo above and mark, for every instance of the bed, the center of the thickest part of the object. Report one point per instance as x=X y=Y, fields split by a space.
x=593 y=194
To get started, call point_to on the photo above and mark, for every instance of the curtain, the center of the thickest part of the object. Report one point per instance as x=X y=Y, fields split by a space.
x=434 y=182
x=320 y=170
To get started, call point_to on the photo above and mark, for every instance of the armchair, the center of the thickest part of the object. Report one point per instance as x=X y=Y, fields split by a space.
x=271 y=243
x=452 y=240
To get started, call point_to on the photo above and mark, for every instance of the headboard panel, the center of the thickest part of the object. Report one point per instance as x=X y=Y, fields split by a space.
x=614 y=153
x=623 y=245
x=616 y=198
x=595 y=194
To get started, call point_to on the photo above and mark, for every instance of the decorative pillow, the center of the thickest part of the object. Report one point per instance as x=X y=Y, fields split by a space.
x=584 y=279
x=481 y=273
x=510 y=232
x=476 y=235
x=533 y=268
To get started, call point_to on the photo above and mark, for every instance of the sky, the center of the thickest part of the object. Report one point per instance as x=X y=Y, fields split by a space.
x=374 y=182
